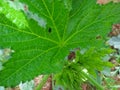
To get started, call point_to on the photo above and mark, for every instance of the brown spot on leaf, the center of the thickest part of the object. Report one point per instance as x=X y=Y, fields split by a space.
x=98 y=37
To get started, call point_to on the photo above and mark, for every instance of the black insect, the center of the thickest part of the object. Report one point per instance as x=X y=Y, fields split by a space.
x=49 y=30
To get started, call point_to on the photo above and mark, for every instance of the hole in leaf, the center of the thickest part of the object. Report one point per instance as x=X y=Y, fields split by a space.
x=98 y=37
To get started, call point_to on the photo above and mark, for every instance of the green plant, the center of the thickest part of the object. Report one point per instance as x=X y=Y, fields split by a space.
x=83 y=69
x=42 y=32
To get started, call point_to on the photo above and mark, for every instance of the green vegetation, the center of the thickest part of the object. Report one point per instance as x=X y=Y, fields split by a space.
x=42 y=33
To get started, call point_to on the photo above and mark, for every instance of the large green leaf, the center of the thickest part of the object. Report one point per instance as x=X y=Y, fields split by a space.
x=89 y=20
x=50 y=29
x=37 y=49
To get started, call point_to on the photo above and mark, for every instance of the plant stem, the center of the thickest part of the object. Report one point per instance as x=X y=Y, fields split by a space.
x=41 y=84
x=99 y=80
x=93 y=81
x=52 y=82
